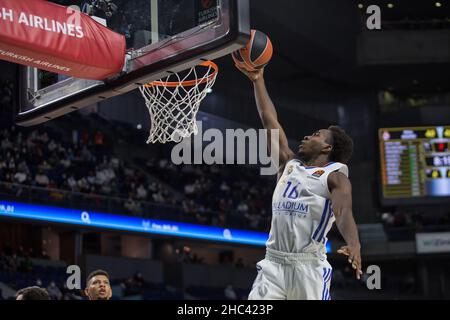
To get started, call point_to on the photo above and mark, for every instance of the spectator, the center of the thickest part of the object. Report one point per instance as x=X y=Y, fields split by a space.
x=132 y=206
x=54 y=292
x=98 y=286
x=158 y=197
x=20 y=177
x=12 y=263
x=44 y=255
x=253 y=220
x=99 y=139
x=32 y=293
x=242 y=208
x=229 y=293
x=141 y=192
x=72 y=183
x=224 y=187
x=139 y=280
x=69 y=294
x=189 y=190
x=387 y=218
x=41 y=179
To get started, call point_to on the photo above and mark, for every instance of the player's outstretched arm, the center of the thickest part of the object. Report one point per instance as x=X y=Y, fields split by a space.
x=268 y=114
x=341 y=199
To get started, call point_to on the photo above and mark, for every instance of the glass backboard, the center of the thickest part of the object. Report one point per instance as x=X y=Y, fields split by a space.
x=162 y=36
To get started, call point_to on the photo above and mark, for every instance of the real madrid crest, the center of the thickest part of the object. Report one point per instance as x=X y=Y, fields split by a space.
x=290 y=169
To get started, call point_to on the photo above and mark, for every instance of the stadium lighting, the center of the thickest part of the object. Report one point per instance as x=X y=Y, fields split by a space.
x=438 y=4
x=360 y=6
x=390 y=5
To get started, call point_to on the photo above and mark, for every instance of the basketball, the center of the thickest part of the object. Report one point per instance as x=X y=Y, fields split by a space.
x=256 y=54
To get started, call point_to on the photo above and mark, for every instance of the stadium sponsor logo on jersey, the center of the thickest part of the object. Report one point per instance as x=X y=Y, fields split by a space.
x=290 y=208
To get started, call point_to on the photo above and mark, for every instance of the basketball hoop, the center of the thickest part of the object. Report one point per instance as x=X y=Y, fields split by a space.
x=173 y=102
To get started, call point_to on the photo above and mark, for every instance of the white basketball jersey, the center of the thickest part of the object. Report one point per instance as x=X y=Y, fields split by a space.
x=301 y=208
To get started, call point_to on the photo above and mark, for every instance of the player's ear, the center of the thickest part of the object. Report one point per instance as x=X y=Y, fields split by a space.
x=327 y=148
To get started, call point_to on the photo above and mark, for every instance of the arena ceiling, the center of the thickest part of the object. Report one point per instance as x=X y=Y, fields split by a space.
x=315 y=44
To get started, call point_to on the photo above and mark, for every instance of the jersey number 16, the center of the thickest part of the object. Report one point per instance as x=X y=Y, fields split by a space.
x=293 y=192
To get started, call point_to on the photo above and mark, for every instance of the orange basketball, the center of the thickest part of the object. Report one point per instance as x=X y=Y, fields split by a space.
x=256 y=54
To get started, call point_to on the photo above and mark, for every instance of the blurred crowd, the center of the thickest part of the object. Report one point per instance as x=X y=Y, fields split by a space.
x=84 y=163
x=413 y=219
x=19 y=270
x=237 y=195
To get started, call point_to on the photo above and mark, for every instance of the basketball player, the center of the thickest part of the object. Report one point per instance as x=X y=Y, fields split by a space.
x=313 y=191
x=98 y=286
x=32 y=293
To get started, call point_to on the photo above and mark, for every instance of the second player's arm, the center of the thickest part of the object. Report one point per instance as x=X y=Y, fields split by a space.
x=341 y=199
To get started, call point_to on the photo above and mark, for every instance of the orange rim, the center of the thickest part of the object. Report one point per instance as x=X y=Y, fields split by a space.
x=189 y=83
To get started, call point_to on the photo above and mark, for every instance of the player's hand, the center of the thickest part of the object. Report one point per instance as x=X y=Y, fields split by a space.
x=254 y=76
x=354 y=258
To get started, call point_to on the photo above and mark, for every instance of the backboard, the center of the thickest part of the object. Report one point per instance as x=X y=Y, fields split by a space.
x=163 y=37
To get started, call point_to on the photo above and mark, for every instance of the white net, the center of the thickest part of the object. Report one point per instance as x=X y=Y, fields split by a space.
x=173 y=102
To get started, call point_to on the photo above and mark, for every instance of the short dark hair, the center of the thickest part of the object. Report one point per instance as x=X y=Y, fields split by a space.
x=342 y=145
x=33 y=293
x=95 y=273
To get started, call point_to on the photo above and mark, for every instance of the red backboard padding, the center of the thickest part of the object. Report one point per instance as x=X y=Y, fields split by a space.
x=55 y=38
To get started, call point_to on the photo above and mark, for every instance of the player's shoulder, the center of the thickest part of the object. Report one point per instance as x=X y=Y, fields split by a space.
x=337 y=167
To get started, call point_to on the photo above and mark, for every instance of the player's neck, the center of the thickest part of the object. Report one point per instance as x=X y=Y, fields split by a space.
x=319 y=161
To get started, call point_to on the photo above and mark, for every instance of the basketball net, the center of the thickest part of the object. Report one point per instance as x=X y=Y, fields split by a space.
x=173 y=102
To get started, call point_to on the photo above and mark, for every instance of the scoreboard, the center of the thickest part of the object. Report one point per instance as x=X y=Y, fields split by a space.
x=415 y=162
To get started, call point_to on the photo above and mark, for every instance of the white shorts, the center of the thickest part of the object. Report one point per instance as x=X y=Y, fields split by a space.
x=288 y=276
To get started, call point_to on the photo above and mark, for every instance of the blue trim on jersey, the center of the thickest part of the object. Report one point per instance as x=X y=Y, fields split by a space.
x=322 y=233
x=328 y=164
x=325 y=209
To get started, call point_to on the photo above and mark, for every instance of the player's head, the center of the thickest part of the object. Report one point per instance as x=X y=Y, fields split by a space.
x=98 y=286
x=32 y=293
x=332 y=142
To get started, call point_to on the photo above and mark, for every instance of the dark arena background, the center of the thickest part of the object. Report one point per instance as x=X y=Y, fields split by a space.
x=84 y=189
